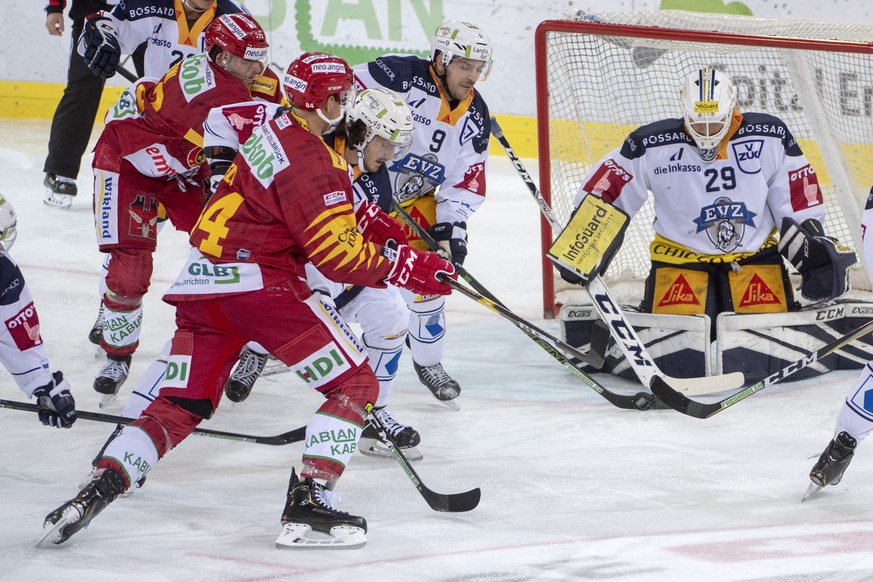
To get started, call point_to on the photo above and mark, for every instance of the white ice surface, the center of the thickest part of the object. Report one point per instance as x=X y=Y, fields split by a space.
x=572 y=488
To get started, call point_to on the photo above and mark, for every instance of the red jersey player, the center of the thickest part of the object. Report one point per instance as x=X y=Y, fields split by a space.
x=151 y=153
x=286 y=201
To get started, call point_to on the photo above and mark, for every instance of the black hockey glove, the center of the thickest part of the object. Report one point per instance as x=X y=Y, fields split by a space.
x=452 y=238
x=56 y=405
x=102 y=51
x=823 y=263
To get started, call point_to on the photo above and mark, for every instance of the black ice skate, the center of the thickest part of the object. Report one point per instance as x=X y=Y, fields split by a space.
x=59 y=191
x=442 y=386
x=309 y=509
x=111 y=377
x=78 y=512
x=832 y=463
x=96 y=333
x=404 y=437
x=249 y=366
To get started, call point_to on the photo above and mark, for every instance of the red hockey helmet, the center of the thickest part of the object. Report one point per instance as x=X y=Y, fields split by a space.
x=240 y=35
x=313 y=77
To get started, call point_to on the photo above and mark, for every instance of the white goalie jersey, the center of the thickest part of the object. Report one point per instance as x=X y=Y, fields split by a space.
x=730 y=205
x=449 y=147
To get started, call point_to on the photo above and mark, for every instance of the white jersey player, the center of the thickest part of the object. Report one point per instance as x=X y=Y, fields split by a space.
x=443 y=176
x=723 y=184
x=855 y=420
x=22 y=351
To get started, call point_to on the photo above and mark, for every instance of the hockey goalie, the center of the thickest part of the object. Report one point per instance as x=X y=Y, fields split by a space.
x=736 y=202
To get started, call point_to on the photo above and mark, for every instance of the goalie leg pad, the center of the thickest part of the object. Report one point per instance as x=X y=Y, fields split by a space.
x=679 y=344
x=761 y=344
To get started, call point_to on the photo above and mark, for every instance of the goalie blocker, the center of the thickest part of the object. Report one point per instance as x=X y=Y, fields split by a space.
x=755 y=344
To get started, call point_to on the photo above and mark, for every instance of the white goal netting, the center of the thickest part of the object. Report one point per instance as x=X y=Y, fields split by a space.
x=602 y=80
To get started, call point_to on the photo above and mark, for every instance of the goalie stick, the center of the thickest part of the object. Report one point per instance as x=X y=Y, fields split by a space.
x=633 y=349
x=685 y=405
x=450 y=502
x=286 y=438
x=552 y=345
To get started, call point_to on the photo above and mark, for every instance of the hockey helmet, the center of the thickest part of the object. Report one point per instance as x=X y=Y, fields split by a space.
x=238 y=34
x=455 y=38
x=708 y=99
x=385 y=115
x=8 y=223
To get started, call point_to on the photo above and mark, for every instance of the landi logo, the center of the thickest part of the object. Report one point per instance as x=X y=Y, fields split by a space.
x=358 y=32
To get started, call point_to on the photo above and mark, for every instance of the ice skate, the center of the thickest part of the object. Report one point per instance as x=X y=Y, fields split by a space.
x=832 y=463
x=405 y=437
x=249 y=366
x=442 y=386
x=78 y=512
x=96 y=333
x=309 y=509
x=59 y=191
x=111 y=377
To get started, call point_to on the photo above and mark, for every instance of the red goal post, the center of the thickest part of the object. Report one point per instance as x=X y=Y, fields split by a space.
x=599 y=80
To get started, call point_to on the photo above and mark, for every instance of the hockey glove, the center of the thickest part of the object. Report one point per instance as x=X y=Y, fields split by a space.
x=377 y=226
x=102 y=51
x=419 y=271
x=452 y=238
x=823 y=263
x=56 y=405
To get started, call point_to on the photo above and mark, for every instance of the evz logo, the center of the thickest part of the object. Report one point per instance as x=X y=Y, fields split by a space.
x=725 y=223
x=747 y=153
x=417 y=175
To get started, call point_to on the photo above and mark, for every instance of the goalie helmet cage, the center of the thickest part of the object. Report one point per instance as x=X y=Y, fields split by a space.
x=599 y=80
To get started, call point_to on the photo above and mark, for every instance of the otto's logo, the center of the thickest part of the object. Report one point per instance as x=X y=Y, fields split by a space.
x=804 y=189
x=474 y=179
x=608 y=181
x=725 y=223
x=24 y=328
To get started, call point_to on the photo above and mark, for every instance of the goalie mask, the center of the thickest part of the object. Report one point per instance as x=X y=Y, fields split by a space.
x=708 y=100
x=454 y=38
x=385 y=115
x=8 y=222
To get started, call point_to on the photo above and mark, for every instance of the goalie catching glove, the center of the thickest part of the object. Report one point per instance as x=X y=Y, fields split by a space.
x=56 y=405
x=422 y=272
x=823 y=263
x=378 y=227
x=590 y=240
x=100 y=42
x=452 y=238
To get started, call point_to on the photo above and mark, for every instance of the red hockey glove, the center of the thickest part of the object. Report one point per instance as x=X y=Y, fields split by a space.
x=419 y=271
x=378 y=227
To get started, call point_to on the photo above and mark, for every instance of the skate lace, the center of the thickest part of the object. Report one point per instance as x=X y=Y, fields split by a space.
x=389 y=422
x=326 y=498
x=115 y=370
x=249 y=367
x=435 y=375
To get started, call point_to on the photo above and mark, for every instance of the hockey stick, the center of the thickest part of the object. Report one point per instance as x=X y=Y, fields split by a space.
x=126 y=74
x=286 y=438
x=595 y=357
x=451 y=502
x=549 y=343
x=685 y=405
x=607 y=307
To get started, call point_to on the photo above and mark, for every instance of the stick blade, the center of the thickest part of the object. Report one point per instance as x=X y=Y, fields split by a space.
x=452 y=502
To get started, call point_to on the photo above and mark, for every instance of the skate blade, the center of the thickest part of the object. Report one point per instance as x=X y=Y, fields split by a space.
x=376 y=448
x=53 y=534
x=106 y=400
x=453 y=403
x=811 y=491
x=298 y=536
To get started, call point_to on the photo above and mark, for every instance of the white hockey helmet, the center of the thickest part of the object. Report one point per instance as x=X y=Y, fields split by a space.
x=385 y=115
x=454 y=38
x=8 y=222
x=708 y=99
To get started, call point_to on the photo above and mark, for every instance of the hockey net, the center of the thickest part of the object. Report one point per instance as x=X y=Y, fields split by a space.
x=599 y=80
